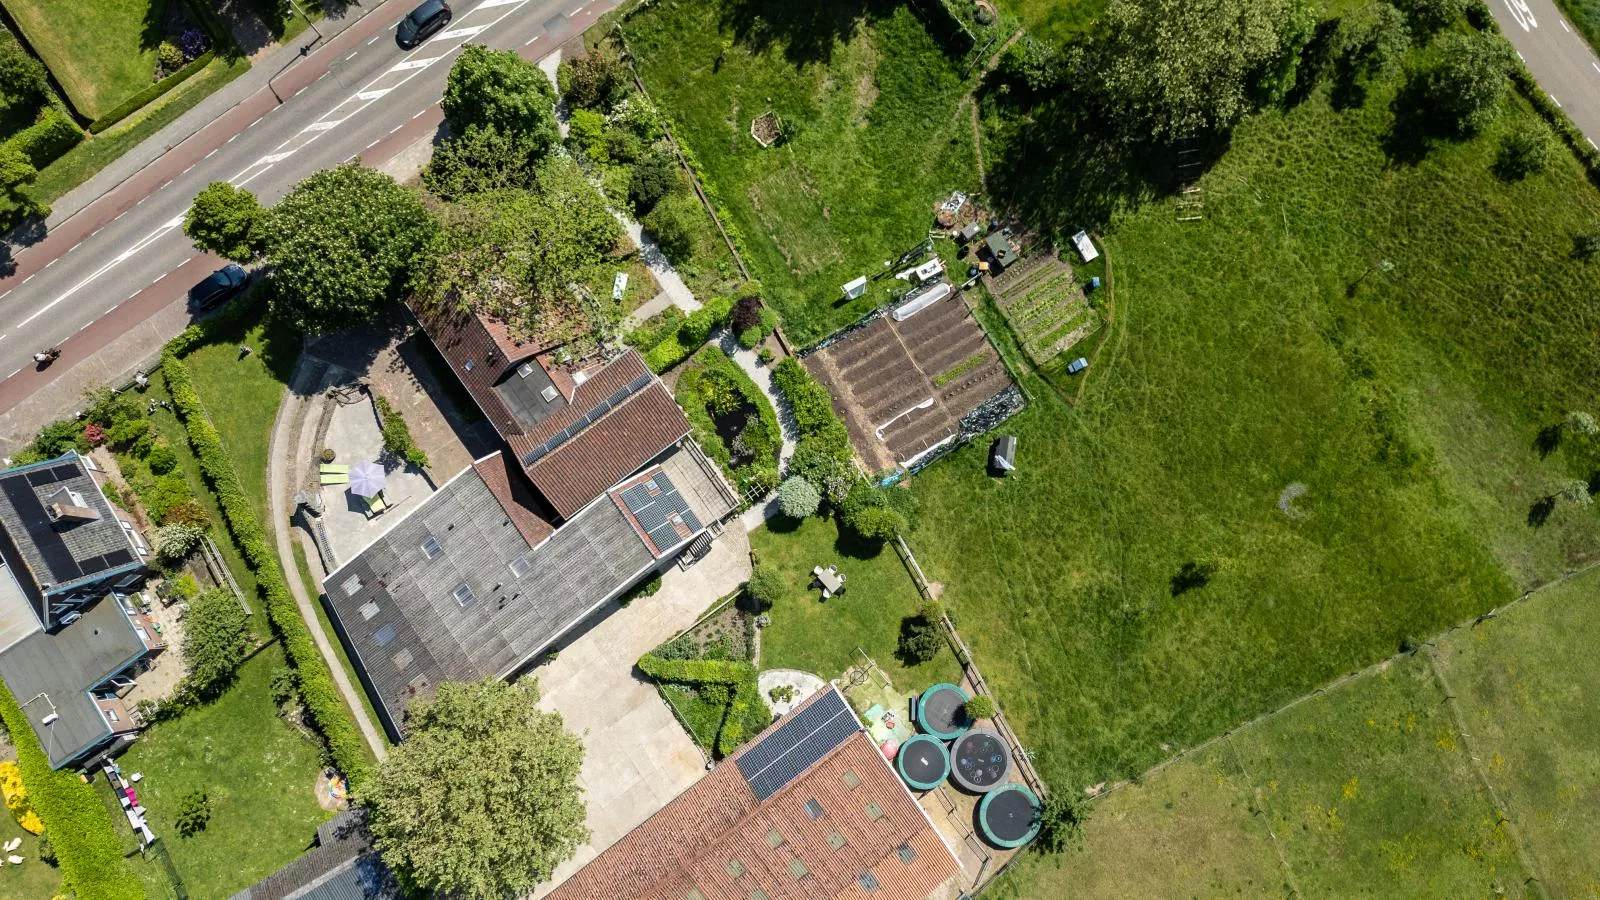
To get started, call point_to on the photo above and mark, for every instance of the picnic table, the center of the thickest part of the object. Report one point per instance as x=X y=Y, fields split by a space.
x=831 y=581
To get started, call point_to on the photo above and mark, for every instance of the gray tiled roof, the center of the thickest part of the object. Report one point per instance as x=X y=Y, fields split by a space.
x=400 y=611
x=58 y=554
x=65 y=666
x=343 y=866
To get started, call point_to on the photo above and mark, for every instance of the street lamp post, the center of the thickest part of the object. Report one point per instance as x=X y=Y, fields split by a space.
x=302 y=12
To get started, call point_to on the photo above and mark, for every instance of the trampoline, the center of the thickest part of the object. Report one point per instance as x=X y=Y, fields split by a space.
x=1009 y=817
x=979 y=761
x=923 y=762
x=939 y=711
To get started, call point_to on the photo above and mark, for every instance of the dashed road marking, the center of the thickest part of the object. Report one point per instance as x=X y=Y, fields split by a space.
x=1564 y=26
x=374 y=39
x=1555 y=101
x=321 y=126
x=212 y=153
x=371 y=145
x=353 y=53
x=469 y=31
x=409 y=64
x=419 y=113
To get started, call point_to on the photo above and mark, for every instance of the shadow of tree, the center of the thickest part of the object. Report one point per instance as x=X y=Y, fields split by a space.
x=807 y=32
x=1548 y=439
x=1192 y=576
x=1539 y=513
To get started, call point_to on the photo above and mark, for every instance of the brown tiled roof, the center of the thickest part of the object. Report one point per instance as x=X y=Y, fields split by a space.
x=691 y=843
x=617 y=374
x=462 y=337
x=519 y=503
x=515 y=347
x=618 y=443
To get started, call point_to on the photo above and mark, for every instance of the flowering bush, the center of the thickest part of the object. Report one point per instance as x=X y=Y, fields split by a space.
x=193 y=41
x=17 y=798
x=94 y=434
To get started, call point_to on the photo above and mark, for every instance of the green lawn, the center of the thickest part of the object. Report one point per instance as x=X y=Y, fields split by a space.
x=823 y=637
x=303 y=571
x=98 y=151
x=1241 y=364
x=31 y=880
x=242 y=393
x=878 y=137
x=258 y=771
x=100 y=51
x=1056 y=20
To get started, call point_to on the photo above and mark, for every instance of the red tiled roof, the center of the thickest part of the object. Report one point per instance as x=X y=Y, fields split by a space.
x=615 y=445
x=464 y=338
x=614 y=376
x=690 y=843
x=515 y=498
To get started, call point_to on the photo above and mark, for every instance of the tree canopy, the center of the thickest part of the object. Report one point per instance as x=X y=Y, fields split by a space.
x=214 y=641
x=481 y=159
x=227 y=221
x=500 y=88
x=341 y=243
x=1466 y=85
x=482 y=798
x=1179 y=68
x=515 y=254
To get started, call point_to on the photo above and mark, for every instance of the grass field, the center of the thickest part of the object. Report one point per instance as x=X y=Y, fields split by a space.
x=1242 y=364
x=1056 y=20
x=32 y=879
x=1375 y=788
x=877 y=137
x=100 y=51
x=822 y=637
x=258 y=772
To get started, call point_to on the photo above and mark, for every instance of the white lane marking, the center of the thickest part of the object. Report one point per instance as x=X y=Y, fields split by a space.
x=353 y=54
x=1595 y=64
x=577 y=9
x=184 y=263
x=1590 y=140
x=491 y=4
x=73 y=247
x=372 y=95
x=15 y=371
x=374 y=39
x=1523 y=15
x=30 y=278
x=271 y=158
x=532 y=39
x=1564 y=26
x=415 y=64
x=144 y=242
x=2 y=297
x=212 y=153
x=232 y=139
x=394 y=129
x=419 y=113
x=52 y=262
x=120 y=215
x=133 y=295
x=1555 y=101
x=467 y=32
x=371 y=145
x=321 y=126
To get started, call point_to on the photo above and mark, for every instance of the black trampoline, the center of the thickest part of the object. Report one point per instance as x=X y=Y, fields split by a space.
x=923 y=762
x=979 y=761
x=1009 y=817
x=939 y=711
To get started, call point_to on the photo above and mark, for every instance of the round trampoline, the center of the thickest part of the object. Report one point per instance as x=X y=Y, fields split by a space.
x=939 y=711
x=923 y=762
x=1009 y=817
x=979 y=761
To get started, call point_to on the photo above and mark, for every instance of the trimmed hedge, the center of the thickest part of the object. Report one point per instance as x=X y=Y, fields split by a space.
x=87 y=849
x=812 y=406
x=759 y=473
x=322 y=700
x=682 y=343
x=747 y=713
x=131 y=105
x=46 y=140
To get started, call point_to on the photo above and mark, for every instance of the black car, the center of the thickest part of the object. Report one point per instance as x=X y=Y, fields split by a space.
x=426 y=19
x=219 y=287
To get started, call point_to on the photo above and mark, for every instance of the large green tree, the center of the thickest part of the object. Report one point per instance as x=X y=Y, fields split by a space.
x=516 y=254
x=341 y=244
x=1180 y=68
x=481 y=159
x=214 y=641
x=482 y=798
x=1467 y=84
x=227 y=221
x=500 y=88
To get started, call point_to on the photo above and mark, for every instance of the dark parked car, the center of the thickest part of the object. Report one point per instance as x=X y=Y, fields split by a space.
x=426 y=19
x=219 y=287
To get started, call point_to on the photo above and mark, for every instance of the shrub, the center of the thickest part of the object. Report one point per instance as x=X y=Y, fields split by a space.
x=169 y=56
x=194 y=813
x=1430 y=16
x=764 y=356
x=189 y=512
x=48 y=139
x=214 y=641
x=1523 y=152
x=673 y=223
x=1033 y=65
x=1479 y=16
x=173 y=543
x=1061 y=822
x=809 y=400
x=57 y=438
x=47 y=852
x=764 y=588
x=920 y=640
x=184 y=587
x=126 y=432
x=650 y=182
x=17 y=798
x=94 y=435
x=1467 y=84
x=979 y=707
x=798 y=498
x=639 y=116
x=397 y=435
x=586 y=133
x=161 y=459
x=163 y=494
x=193 y=41
x=596 y=81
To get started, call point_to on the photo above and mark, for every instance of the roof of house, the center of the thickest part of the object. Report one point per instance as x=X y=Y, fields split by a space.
x=456 y=589
x=64 y=667
x=511 y=489
x=343 y=866
x=486 y=358
x=59 y=552
x=809 y=810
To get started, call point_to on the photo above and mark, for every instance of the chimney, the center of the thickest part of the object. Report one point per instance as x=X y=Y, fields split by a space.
x=68 y=506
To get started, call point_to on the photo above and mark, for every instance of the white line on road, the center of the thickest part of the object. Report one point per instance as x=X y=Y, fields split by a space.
x=120 y=215
x=322 y=126
x=1555 y=101
x=30 y=278
x=271 y=158
x=469 y=31
x=144 y=242
x=371 y=145
x=212 y=153
x=1595 y=64
x=576 y=9
x=532 y=39
x=1564 y=26
x=491 y=4
x=184 y=263
x=15 y=371
x=132 y=295
x=373 y=94
x=232 y=139
x=51 y=263
x=185 y=171
x=374 y=39
x=419 y=113
x=394 y=129
x=414 y=64
x=74 y=247
x=353 y=54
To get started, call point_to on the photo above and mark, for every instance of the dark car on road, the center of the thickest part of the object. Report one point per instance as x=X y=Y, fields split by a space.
x=219 y=287
x=426 y=19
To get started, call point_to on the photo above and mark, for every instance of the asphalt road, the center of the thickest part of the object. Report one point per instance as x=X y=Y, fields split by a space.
x=1557 y=55
x=124 y=257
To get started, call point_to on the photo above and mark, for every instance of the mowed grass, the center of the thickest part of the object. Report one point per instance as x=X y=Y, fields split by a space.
x=1525 y=683
x=823 y=637
x=1368 y=790
x=33 y=879
x=1241 y=364
x=1056 y=20
x=100 y=51
x=878 y=135
x=258 y=772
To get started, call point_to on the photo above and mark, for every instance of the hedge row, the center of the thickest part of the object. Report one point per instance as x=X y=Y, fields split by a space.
x=327 y=709
x=46 y=140
x=75 y=821
x=747 y=714
x=1569 y=133
x=680 y=344
x=812 y=406
x=127 y=107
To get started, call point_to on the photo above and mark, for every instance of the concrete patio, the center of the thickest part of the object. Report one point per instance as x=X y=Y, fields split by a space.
x=354 y=436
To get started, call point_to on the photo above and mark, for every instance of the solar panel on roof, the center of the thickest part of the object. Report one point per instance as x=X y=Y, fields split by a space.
x=797 y=744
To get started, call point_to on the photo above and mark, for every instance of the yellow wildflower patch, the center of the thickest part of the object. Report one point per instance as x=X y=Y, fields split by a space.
x=17 y=798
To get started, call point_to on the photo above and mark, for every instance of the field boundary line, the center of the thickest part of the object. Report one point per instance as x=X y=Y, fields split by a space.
x=1501 y=811
x=1261 y=802
x=1344 y=679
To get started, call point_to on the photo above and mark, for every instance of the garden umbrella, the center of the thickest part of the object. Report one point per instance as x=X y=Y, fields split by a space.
x=366 y=480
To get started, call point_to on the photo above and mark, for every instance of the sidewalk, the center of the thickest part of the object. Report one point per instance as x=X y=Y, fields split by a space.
x=262 y=72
